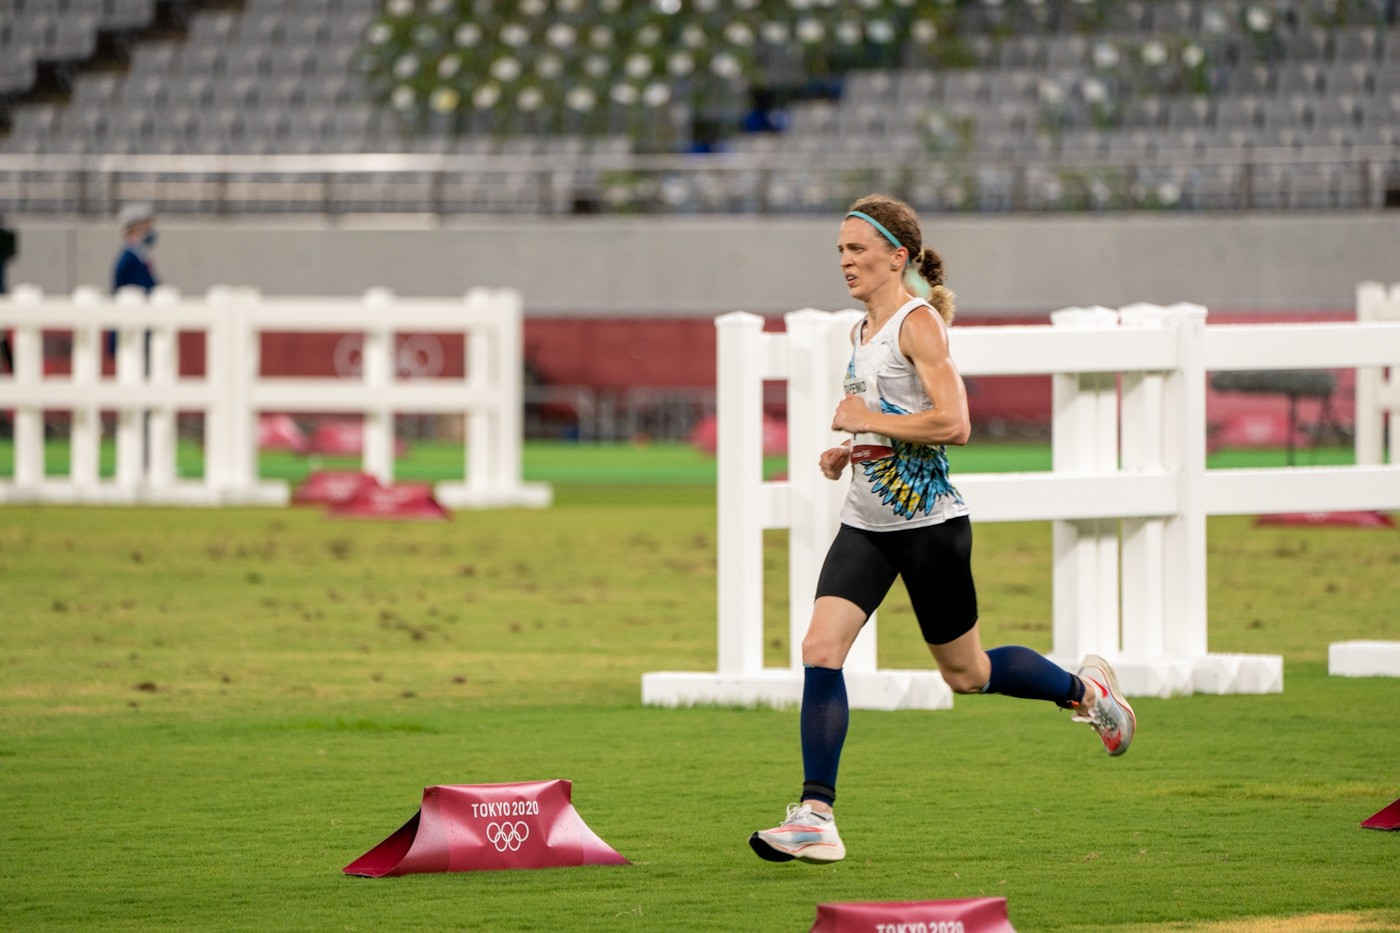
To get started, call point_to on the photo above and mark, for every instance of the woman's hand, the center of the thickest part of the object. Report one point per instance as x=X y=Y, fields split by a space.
x=833 y=461
x=851 y=415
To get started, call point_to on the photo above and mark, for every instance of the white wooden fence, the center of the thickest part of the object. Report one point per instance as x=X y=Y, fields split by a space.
x=232 y=393
x=1128 y=494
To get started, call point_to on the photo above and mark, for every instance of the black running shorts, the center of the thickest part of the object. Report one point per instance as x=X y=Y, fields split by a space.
x=935 y=562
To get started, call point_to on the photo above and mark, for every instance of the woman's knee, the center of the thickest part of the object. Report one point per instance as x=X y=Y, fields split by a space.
x=835 y=624
x=962 y=662
x=823 y=650
x=962 y=680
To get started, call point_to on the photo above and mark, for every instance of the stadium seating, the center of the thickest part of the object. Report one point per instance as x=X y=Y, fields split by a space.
x=981 y=105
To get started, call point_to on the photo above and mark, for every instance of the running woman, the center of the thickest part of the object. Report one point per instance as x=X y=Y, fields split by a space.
x=904 y=402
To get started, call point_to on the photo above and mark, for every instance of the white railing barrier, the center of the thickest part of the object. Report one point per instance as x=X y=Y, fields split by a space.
x=232 y=393
x=145 y=401
x=1129 y=492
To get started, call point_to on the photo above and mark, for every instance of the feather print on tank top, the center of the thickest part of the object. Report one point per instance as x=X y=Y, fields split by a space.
x=914 y=478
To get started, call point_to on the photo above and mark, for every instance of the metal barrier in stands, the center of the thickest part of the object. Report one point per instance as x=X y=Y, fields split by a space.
x=1361 y=177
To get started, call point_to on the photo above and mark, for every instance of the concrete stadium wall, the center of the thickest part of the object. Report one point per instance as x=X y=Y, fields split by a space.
x=702 y=266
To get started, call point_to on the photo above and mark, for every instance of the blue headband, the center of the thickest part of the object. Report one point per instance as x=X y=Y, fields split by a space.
x=879 y=226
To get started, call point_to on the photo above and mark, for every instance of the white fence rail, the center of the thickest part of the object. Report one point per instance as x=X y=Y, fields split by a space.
x=146 y=396
x=1129 y=492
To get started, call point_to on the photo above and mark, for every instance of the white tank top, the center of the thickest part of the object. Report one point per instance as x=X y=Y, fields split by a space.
x=894 y=484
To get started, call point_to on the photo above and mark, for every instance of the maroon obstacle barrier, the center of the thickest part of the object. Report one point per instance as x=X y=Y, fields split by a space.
x=1386 y=818
x=401 y=500
x=970 y=915
x=488 y=827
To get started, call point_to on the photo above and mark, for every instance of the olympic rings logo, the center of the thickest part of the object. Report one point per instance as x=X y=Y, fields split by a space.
x=507 y=835
x=416 y=356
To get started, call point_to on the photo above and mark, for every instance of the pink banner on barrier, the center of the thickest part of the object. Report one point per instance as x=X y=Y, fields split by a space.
x=1252 y=429
x=343 y=439
x=280 y=432
x=1353 y=519
x=402 y=500
x=327 y=487
x=337 y=438
x=488 y=827
x=971 y=915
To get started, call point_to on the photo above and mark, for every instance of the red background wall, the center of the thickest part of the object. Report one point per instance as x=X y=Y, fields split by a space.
x=614 y=354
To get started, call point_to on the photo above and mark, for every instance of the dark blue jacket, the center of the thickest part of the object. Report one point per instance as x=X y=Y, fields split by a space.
x=132 y=269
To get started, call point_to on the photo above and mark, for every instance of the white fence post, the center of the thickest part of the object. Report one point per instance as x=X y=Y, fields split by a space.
x=478 y=359
x=244 y=306
x=1377 y=388
x=1143 y=550
x=233 y=360
x=1377 y=417
x=1163 y=412
x=220 y=459
x=819 y=345
x=29 y=418
x=493 y=384
x=162 y=371
x=131 y=375
x=739 y=492
x=508 y=367
x=85 y=438
x=1185 y=450
x=378 y=368
x=1084 y=439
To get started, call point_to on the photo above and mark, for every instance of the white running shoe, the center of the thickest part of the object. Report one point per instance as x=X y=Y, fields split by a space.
x=803 y=835
x=1110 y=715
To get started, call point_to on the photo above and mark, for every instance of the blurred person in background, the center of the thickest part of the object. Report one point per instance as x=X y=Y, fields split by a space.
x=9 y=249
x=133 y=266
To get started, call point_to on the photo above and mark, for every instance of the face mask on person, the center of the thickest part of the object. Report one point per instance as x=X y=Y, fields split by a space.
x=149 y=238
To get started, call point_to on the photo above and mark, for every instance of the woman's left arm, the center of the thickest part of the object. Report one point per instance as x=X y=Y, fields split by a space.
x=924 y=340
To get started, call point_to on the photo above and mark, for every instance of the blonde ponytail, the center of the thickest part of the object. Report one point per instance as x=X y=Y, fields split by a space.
x=930 y=266
x=943 y=300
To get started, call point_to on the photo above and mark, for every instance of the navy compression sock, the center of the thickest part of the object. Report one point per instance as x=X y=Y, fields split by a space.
x=1021 y=672
x=825 y=717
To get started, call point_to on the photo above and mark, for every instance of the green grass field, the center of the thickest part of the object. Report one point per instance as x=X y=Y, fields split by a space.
x=206 y=714
x=664 y=463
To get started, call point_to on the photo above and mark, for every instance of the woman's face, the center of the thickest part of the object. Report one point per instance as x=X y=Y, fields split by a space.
x=867 y=259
